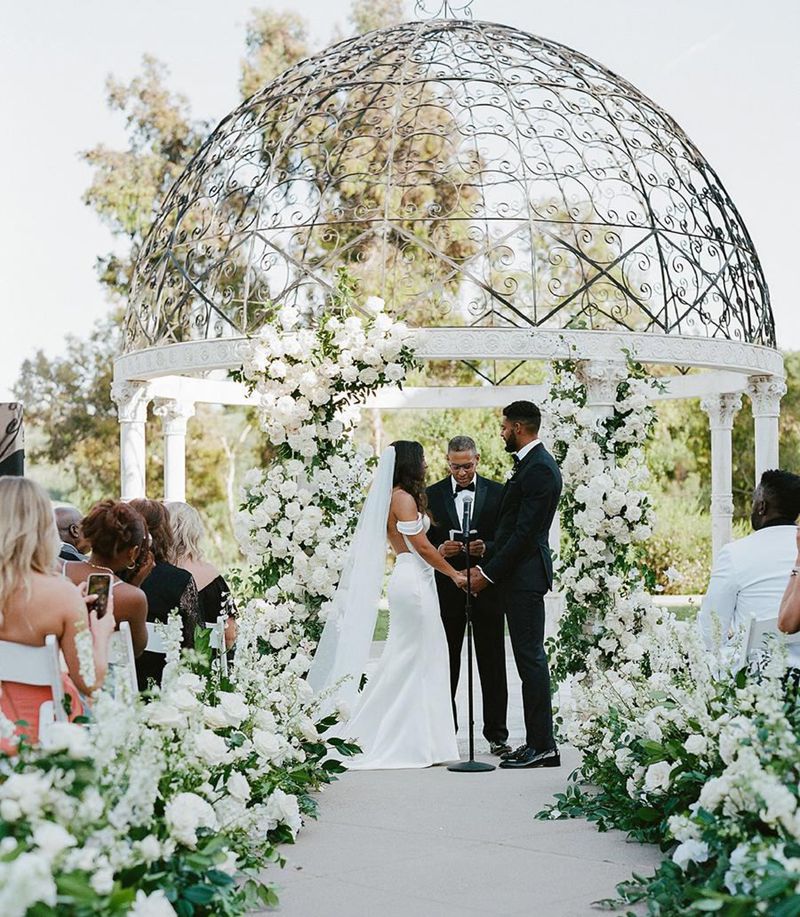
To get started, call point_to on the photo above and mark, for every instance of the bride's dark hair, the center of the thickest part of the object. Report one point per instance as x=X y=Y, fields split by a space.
x=409 y=470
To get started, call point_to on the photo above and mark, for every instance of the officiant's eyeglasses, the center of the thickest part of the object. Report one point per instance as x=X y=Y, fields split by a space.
x=467 y=466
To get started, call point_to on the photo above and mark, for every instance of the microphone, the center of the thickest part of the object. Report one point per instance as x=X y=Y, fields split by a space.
x=466 y=519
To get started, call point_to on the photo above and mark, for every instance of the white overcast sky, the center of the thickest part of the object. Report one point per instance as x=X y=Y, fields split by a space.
x=727 y=70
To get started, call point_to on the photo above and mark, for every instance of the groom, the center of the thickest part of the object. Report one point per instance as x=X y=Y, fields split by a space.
x=521 y=567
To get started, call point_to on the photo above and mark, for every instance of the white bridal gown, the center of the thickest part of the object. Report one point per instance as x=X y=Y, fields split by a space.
x=404 y=717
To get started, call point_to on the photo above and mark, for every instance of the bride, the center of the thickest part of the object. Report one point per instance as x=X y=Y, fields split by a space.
x=403 y=717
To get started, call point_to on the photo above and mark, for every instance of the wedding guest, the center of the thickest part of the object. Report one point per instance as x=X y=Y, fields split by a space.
x=73 y=545
x=36 y=602
x=789 y=613
x=446 y=503
x=213 y=592
x=750 y=575
x=168 y=588
x=117 y=541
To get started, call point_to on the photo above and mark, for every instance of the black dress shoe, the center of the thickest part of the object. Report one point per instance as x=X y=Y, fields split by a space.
x=530 y=757
x=512 y=755
x=499 y=748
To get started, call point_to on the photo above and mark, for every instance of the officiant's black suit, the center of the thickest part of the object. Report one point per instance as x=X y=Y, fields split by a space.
x=488 y=624
x=520 y=565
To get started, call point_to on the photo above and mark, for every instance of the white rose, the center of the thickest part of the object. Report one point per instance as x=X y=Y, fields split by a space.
x=212 y=748
x=215 y=717
x=184 y=814
x=394 y=372
x=234 y=707
x=288 y=317
x=238 y=787
x=150 y=848
x=153 y=905
x=157 y=713
x=284 y=809
x=374 y=304
x=690 y=851
x=184 y=700
x=267 y=744
x=72 y=738
x=696 y=744
x=103 y=880
x=368 y=376
x=51 y=839
x=657 y=777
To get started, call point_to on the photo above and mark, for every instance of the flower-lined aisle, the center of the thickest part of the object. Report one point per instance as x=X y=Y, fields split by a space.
x=675 y=751
x=174 y=803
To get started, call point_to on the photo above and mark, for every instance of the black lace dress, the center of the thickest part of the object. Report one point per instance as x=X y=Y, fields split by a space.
x=168 y=588
x=216 y=600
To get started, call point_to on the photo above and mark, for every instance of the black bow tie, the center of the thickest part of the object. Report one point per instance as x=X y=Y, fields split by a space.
x=516 y=458
x=459 y=488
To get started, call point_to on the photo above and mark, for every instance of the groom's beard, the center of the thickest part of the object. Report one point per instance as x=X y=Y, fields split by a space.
x=511 y=443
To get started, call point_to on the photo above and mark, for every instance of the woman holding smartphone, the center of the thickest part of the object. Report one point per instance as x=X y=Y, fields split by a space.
x=118 y=537
x=35 y=602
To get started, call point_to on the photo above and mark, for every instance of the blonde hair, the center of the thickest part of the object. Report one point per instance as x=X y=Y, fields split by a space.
x=187 y=530
x=29 y=539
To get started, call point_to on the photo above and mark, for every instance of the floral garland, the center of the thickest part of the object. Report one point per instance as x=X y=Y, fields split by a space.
x=605 y=515
x=298 y=515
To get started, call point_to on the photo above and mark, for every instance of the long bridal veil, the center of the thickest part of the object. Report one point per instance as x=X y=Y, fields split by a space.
x=343 y=649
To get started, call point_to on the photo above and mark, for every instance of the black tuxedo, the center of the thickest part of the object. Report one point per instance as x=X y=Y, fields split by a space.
x=520 y=564
x=488 y=623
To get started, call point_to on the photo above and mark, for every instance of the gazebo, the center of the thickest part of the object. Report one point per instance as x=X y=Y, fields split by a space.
x=509 y=197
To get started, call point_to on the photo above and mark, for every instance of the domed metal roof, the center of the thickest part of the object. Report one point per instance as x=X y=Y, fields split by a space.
x=470 y=174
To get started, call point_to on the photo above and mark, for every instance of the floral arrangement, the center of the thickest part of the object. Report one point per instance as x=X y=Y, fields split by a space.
x=162 y=805
x=675 y=750
x=173 y=803
x=298 y=515
x=605 y=514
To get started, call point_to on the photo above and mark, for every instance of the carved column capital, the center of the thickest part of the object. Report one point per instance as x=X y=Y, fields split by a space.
x=174 y=414
x=601 y=378
x=131 y=399
x=721 y=409
x=765 y=393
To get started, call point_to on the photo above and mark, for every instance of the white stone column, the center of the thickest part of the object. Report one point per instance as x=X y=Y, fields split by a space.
x=131 y=399
x=721 y=410
x=601 y=378
x=765 y=393
x=174 y=416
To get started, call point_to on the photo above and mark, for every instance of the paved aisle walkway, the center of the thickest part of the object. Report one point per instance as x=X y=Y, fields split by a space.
x=431 y=843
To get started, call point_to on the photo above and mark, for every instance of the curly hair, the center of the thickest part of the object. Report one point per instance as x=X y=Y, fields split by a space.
x=157 y=519
x=112 y=526
x=409 y=471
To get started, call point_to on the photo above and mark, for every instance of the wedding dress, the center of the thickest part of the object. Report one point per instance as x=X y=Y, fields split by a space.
x=403 y=717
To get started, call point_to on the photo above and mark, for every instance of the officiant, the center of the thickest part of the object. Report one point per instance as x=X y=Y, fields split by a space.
x=446 y=505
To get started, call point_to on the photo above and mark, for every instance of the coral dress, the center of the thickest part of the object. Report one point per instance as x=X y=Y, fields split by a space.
x=22 y=702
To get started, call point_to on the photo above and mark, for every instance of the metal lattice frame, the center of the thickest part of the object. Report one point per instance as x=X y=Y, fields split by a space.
x=472 y=175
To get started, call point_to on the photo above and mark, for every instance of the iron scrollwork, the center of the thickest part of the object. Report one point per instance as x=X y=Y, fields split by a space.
x=470 y=174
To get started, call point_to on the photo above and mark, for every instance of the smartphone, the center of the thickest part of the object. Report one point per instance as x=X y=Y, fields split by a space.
x=100 y=585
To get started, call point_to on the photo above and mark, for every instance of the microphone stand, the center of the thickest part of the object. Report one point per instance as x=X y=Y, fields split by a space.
x=470 y=765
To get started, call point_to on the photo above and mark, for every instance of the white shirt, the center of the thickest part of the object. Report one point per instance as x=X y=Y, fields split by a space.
x=459 y=497
x=526 y=449
x=749 y=578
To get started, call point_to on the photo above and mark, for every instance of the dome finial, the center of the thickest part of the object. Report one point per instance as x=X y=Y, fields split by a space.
x=442 y=9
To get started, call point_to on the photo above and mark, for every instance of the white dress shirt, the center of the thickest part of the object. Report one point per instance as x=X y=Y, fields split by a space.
x=458 y=496
x=749 y=578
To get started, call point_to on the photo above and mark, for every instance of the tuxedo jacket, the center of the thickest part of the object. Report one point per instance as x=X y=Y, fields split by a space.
x=519 y=557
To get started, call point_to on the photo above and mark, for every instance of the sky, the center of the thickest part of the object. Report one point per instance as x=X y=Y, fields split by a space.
x=726 y=70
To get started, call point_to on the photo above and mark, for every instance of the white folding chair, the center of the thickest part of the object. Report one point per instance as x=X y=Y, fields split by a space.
x=218 y=642
x=155 y=642
x=122 y=660
x=40 y=666
x=756 y=633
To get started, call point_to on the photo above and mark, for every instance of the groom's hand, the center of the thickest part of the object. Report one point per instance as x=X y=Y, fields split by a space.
x=450 y=548
x=478 y=581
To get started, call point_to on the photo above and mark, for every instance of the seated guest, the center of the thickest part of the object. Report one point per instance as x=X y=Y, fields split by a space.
x=789 y=614
x=750 y=575
x=117 y=537
x=73 y=545
x=35 y=602
x=167 y=587
x=212 y=590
